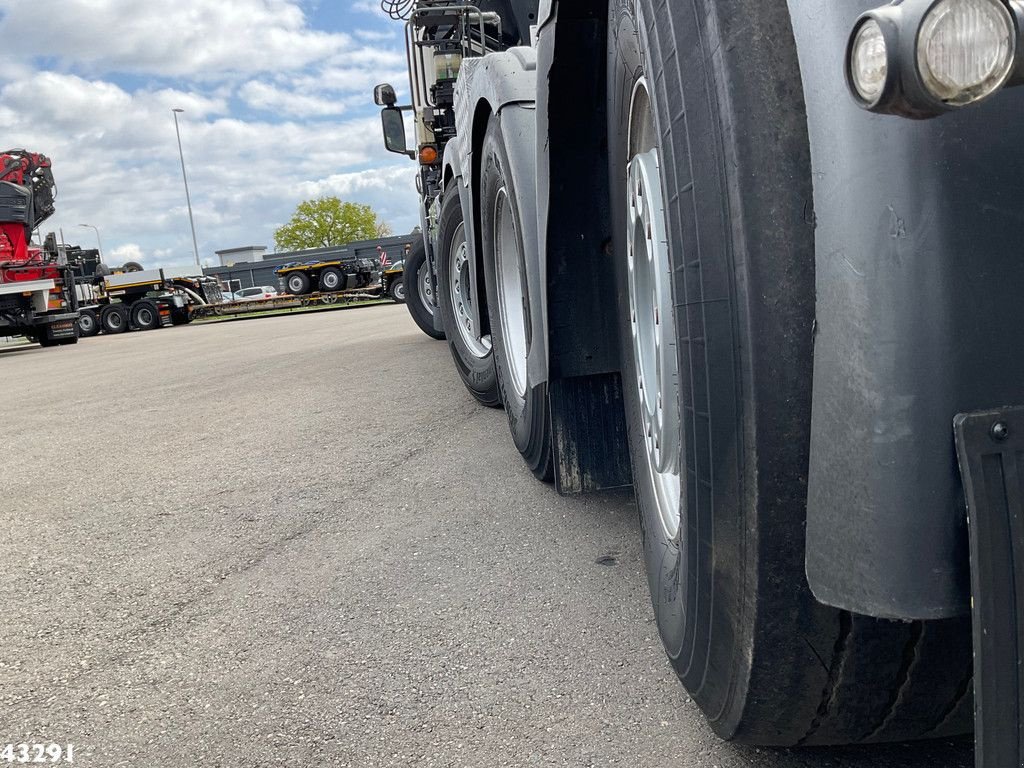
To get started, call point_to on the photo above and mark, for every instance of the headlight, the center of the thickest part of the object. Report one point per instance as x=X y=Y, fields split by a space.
x=869 y=61
x=920 y=58
x=965 y=49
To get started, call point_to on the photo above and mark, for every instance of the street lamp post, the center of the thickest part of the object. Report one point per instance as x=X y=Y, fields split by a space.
x=99 y=242
x=188 y=197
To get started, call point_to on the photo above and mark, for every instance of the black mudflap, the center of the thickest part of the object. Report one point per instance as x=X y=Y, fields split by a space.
x=990 y=449
x=588 y=434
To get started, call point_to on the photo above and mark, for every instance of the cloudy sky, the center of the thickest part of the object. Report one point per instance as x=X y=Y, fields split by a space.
x=278 y=109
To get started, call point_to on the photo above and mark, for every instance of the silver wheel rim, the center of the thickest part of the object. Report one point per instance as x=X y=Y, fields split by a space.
x=424 y=287
x=652 y=315
x=511 y=297
x=330 y=281
x=461 y=289
x=295 y=283
x=145 y=316
x=115 y=320
x=85 y=324
x=400 y=291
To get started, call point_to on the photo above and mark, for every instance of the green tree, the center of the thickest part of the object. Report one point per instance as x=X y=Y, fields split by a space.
x=328 y=222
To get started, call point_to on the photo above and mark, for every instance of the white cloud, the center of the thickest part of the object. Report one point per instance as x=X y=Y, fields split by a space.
x=266 y=97
x=255 y=145
x=125 y=253
x=187 y=37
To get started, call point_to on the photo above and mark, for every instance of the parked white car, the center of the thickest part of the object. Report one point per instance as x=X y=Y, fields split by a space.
x=259 y=292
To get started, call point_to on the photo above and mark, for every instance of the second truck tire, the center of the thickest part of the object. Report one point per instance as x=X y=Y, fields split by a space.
x=508 y=302
x=456 y=295
x=716 y=268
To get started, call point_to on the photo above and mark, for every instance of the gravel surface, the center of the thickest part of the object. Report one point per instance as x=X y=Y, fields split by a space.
x=244 y=544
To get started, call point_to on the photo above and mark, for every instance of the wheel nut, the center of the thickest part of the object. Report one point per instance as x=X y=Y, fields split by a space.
x=1000 y=431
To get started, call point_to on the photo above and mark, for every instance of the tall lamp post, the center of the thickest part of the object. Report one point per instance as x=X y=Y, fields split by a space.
x=188 y=197
x=98 y=241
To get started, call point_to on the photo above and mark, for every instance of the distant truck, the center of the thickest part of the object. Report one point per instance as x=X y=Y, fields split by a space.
x=133 y=298
x=35 y=296
x=329 y=276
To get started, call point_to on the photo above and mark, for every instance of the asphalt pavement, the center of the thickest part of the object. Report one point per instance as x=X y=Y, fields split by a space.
x=297 y=541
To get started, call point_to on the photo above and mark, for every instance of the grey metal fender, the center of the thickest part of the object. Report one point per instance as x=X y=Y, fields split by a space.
x=505 y=85
x=919 y=270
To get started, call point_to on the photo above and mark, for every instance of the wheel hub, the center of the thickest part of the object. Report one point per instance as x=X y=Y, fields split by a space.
x=653 y=331
x=424 y=287
x=462 y=295
x=511 y=297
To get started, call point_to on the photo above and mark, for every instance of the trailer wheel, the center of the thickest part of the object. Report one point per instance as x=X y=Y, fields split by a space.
x=473 y=356
x=114 y=318
x=132 y=266
x=421 y=301
x=508 y=304
x=397 y=291
x=331 y=280
x=710 y=185
x=88 y=323
x=297 y=284
x=145 y=315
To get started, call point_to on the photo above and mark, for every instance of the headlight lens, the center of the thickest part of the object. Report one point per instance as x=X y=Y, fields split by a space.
x=965 y=49
x=869 y=61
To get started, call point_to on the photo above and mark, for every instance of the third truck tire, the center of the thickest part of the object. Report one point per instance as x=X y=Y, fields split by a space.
x=710 y=187
x=419 y=299
x=145 y=315
x=456 y=295
x=508 y=302
x=114 y=318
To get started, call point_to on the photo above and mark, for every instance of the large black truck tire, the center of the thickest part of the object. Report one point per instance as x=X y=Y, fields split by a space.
x=508 y=301
x=145 y=315
x=331 y=280
x=88 y=323
x=474 y=358
x=419 y=298
x=710 y=188
x=297 y=283
x=397 y=291
x=114 y=318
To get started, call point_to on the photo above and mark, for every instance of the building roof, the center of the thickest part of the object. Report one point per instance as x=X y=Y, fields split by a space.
x=242 y=249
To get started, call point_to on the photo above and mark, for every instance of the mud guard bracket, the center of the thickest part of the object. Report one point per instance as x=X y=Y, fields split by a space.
x=990 y=450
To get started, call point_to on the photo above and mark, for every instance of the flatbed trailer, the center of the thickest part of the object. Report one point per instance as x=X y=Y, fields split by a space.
x=141 y=299
x=254 y=306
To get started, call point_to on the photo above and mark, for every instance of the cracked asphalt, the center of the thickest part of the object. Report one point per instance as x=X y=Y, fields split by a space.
x=297 y=541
